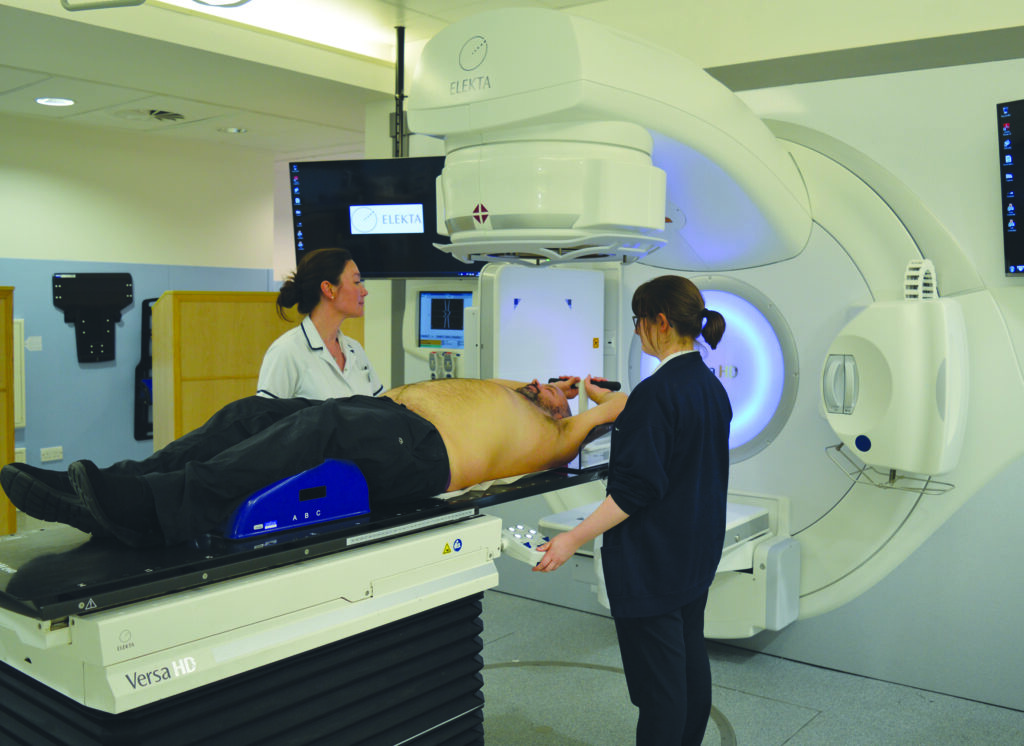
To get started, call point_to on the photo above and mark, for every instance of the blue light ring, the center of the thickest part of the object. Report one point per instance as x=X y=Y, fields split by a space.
x=758 y=337
x=639 y=368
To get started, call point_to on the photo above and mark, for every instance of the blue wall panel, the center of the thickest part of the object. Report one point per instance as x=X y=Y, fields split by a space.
x=88 y=408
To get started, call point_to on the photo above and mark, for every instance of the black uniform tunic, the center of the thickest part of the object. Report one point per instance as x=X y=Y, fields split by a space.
x=668 y=470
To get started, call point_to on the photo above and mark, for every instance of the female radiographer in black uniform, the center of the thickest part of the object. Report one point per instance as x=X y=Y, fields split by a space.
x=664 y=517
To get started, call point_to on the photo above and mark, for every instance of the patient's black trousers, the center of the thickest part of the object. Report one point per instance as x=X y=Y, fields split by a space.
x=198 y=480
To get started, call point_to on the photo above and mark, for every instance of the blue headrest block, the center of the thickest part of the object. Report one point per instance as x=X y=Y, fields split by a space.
x=329 y=492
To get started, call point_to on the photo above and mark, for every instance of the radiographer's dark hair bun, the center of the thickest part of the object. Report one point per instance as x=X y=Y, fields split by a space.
x=302 y=288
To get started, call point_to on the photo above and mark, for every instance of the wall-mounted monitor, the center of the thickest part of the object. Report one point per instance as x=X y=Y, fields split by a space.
x=383 y=211
x=442 y=319
x=1010 y=124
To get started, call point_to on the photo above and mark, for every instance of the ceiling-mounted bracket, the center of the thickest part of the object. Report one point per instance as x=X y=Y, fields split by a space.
x=97 y=4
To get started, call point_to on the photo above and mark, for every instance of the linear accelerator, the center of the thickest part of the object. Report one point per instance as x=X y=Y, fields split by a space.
x=563 y=134
x=566 y=144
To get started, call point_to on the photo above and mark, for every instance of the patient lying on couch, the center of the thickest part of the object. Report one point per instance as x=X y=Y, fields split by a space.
x=412 y=442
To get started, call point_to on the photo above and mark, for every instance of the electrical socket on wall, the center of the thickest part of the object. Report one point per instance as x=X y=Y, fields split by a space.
x=20 y=455
x=53 y=453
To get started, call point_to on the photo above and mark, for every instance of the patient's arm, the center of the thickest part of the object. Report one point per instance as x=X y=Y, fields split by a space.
x=574 y=430
x=597 y=393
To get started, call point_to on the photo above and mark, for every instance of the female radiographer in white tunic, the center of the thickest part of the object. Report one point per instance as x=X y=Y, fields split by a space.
x=315 y=360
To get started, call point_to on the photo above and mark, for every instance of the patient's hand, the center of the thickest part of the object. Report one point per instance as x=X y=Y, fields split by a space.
x=569 y=385
x=598 y=394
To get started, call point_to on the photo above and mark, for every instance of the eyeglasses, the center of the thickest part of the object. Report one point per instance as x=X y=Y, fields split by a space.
x=636 y=320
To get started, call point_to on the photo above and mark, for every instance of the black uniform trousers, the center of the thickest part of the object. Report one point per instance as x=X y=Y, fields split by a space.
x=668 y=674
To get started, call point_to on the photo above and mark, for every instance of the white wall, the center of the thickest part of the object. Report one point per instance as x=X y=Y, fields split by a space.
x=933 y=129
x=74 y=192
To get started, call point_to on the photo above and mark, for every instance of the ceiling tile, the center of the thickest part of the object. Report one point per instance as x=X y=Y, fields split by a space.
x=152 y=113
x=86 y=95
x=264 y=132
x=12 y=78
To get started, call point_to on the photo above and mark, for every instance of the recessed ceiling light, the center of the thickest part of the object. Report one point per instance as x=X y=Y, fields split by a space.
x=234 y=130
x=45 y=101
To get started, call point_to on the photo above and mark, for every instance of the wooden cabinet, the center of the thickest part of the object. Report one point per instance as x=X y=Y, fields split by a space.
x=207 y=351
x=8 y=514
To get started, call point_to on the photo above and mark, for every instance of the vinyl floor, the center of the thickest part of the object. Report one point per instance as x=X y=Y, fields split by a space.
x=554 y=676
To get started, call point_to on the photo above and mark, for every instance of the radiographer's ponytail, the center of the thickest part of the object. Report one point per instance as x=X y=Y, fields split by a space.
x=714 y=327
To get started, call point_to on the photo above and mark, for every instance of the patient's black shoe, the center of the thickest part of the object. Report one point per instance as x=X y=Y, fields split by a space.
x=48 y=496
x=123 y=506
x=55 y=480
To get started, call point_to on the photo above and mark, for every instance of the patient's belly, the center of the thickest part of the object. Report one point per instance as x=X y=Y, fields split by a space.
x=489 y=430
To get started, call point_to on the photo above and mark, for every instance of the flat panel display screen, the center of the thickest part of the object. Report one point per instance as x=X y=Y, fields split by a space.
x=443 y=319
x=1010 y=123
x=383 y=211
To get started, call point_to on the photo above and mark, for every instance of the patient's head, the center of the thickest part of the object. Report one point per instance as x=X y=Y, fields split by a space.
x=548 y=398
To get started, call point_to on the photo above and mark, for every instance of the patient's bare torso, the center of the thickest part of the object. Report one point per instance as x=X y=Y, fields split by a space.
x=489 y=430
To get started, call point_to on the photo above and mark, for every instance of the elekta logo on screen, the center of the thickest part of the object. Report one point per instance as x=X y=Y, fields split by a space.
x=383 y=219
